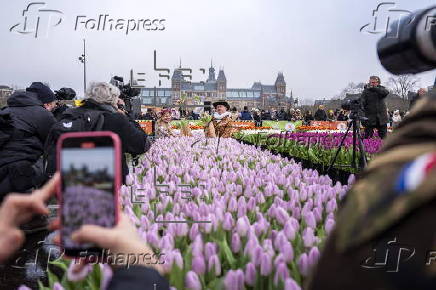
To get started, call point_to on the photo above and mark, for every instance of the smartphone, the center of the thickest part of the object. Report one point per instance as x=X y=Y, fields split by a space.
x=90 y=167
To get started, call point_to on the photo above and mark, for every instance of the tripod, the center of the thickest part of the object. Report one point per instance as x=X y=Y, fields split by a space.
x=357 y=141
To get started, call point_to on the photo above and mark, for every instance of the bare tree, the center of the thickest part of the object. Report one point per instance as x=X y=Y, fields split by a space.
x=402 y=84
x=351 y=88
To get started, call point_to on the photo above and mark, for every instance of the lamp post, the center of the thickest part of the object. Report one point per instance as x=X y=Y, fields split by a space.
x=82 y=59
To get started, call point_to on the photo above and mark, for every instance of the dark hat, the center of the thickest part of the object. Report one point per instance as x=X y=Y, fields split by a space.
x=45 y=94
x=221 y=102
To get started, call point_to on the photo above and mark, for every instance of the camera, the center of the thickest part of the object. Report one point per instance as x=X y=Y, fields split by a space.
x=410 y=44
x=127 y=92
x=351 y=105
x=65 y=94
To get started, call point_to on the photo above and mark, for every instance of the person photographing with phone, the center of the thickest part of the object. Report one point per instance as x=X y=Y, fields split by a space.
x=18 y=209
x=374 y=107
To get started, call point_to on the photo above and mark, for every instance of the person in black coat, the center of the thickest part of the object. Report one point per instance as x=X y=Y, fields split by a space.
x=374 y=107
x=320 y=114
x=104 y=97
x=31 y=120
x=308 y=117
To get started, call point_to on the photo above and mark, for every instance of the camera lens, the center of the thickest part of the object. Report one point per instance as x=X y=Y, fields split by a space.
x=410 y=45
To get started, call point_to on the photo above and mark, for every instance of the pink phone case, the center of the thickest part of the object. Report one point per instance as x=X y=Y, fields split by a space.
x=117 y=167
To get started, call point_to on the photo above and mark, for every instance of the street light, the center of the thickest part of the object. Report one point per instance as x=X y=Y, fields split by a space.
x=82 y=59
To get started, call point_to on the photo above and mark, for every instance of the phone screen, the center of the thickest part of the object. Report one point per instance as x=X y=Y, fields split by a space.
x=87 y=170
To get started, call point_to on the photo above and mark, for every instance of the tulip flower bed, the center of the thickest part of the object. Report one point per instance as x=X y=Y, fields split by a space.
x=316 y=147
x=264 y=216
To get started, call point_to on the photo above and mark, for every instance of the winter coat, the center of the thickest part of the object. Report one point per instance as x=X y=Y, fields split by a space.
x=32 y=123
x=374 y=105
x=133 y=138
x=246 y=116
x=320 y=115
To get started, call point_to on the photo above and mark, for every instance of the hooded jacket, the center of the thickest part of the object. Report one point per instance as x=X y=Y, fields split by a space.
x=32 y=123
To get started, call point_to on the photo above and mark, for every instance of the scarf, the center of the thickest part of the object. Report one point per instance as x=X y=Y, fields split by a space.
x=219 y=117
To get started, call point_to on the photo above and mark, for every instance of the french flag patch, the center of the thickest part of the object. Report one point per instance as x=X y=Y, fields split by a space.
x=413 y=174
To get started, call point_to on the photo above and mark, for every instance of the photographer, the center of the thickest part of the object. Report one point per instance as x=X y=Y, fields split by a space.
x=31 y=119
x=374 y=108
x=123 y=238
x=62 y=95
x=104 y=103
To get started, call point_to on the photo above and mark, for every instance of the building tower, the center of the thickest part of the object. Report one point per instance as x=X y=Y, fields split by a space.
x=211 y=73
x=280 y=85
x=221 y=84
x=176 y=83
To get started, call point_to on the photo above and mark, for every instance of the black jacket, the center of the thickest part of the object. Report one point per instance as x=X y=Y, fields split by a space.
x=308 y=118
x=137 y=278
x=32 y=122
x=413 y=100
x=133 y=138
x=374 y=105
x=320 y=115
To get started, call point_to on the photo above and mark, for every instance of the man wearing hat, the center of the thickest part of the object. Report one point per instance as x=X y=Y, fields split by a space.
x=31 y=121
x=221 y=123
x=45 y=95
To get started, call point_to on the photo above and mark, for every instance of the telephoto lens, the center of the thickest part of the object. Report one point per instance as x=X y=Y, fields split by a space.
x=410 y=45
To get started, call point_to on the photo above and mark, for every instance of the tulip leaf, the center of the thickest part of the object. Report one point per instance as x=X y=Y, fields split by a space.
x=177 y=277
x=224 y=247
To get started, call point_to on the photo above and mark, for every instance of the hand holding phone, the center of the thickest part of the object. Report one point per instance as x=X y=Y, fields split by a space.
x=90 y=168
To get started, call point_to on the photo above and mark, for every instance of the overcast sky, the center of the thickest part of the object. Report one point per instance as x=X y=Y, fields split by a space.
x=316 y=44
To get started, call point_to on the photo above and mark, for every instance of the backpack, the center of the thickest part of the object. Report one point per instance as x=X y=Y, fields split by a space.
x=6 y=127
x=72 y=120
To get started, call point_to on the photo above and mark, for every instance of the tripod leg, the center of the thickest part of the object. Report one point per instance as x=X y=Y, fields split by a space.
x=363 y=161
x=340 y=146
x=353 y=161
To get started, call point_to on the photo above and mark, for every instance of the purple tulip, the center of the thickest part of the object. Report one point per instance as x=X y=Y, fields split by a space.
x=331 y=206
x=177 y=258
x=234 y=280
x=329 y=225
x=257 y=255
x=242 y=227
x=251 y=204
x=309 y=218
x=57 y=286
x=182 y=230
x=250 y=274
x=197 y=246
x=214 y=265
x=287 y=251
x=198 y=265
x=279 y=240
x=193 y=232
x=290 y=284
x=308 y=237
x=236 y=243
x=265 y=264
x=281 y=273
x=210 y=249
x=313 y=256
x=106 y=276
x=74 y=275
x=228 y=221
x=303 y=265
x=192 y=281
x=289 y=230
x=233 y=205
